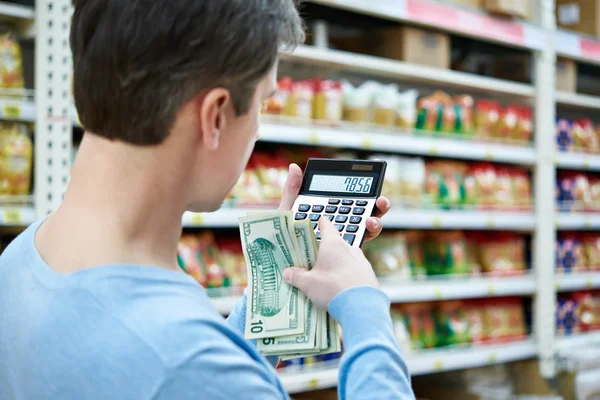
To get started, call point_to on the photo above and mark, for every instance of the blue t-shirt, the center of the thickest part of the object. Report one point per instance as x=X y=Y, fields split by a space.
x=143 y=332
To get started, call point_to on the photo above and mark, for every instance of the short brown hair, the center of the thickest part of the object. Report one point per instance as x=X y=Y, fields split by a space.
x=136 y=63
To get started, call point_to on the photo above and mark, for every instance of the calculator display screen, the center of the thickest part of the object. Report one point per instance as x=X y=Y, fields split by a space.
x=341 y=184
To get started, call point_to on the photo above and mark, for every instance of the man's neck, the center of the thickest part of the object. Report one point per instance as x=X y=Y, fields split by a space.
x=123 y=205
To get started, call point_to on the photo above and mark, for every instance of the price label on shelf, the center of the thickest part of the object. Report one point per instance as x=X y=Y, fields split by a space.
x=589 y=283
x=489 y=155
x=437 y=293
x=433 y=150
x=492 y=357
x=437 y=222
x=313 y=383
x=197 y=219
x=366 y=144
x=491 y=222
x=491 y=289
x=586 y=163
x=587 y=222
x=11 y=111
x=12 y=216
x=313 y=138
x=438 y=366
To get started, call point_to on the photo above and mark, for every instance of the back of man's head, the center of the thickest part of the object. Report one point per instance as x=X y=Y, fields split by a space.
x=137 y=62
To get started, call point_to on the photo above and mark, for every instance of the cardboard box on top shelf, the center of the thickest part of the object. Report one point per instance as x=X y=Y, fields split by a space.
x=512 y=8
x=581 y=16
x=467 y=3
x=413 y=45
x=520 y=68
x=566 y=75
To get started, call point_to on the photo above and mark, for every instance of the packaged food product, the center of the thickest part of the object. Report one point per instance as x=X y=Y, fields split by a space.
x=473 y=312
x=484 y=175
x=189 y=259
x=300 y=101
x=504 y=195
x=584 y=136
x=445 y=184
x=327 y=102
x=507 y=123
x=436 y=113
x=452 y=324
x=487 y=114
x=588 y=310
x=278 y=103
x=595 y=193
x=11 y=67
x=591 y=247
x=420 y=323
x=232 y=260
x=570 y=255
x=567 y=317
x=414 y=245
x=504 y=319
x=412 y=180
x=501 y=254
x=384 y=105
x=356 y=103
x=209 y=258
x=272 y=173
x=388 y=255
x=445 y=253
x=16 y=159
x=574 y=191
x=406 y=109
x=464 y=110
x=524 y=129
x=564 y=135
x=521 y=189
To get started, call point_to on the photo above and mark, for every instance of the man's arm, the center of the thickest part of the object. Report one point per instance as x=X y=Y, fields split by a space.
x=372 y=366
x=221 y=366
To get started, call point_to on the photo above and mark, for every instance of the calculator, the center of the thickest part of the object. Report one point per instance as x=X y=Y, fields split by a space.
x=345 y=191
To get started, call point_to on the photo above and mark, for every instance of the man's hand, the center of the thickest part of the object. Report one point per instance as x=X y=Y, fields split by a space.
x=292 y=188
x=339 y=267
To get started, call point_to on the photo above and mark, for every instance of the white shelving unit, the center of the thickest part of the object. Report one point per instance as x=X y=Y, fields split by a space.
x=53 y=115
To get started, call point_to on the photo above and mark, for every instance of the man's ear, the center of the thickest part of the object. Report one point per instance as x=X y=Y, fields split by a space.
x=213 y=116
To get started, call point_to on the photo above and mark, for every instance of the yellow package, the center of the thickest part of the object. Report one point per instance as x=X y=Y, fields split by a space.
x=11 y=64
x=16 y=159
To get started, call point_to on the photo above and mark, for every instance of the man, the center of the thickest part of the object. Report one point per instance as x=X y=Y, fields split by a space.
x=92 y=302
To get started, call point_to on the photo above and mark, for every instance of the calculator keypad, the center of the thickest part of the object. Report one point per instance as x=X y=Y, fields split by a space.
x=347 y=215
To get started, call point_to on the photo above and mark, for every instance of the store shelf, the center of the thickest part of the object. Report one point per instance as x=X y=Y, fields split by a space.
x=577 y=281
x=578 y=47
x=378 y=66
x=578 y=100
x=578 y=221
x=17 y=215
x=395 y=219
x=16 y=11
x=581 y=340
x=456 y=288
x=428 y=362
x=578 y=161
x=438 y=219
x=17 y=110
x=376 y=139
x=455 y=20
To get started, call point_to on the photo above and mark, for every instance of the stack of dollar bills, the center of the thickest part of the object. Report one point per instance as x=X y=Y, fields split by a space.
x=282 y=319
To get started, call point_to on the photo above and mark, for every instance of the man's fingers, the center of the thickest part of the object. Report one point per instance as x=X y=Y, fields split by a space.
x=374 y=228
x=297 y=277
x=291 y=188
x=328 y=230
x=382 y=206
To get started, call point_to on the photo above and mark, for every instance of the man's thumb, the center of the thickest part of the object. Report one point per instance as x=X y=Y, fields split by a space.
x=297 y=277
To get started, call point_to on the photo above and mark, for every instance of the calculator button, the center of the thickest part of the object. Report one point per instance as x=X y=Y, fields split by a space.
x=318 y=235
x=340 y=227
x=341 y=219
x=355 y=220
x=345 y=210
x=352 y=228
x=300 y=216
x=314 y=217
x=318 y=208
x=314 y=224
x=358 y=211
x=347 y=202
x=331 y=217
x=330 y=209
x=304 y=207
x=349 y=238
x=361 y=203
x=334 y=201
